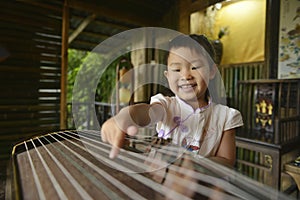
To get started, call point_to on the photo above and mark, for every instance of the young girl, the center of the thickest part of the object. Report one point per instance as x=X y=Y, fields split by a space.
x=192 y=118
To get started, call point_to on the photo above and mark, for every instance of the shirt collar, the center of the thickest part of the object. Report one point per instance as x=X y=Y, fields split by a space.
x=188 y=106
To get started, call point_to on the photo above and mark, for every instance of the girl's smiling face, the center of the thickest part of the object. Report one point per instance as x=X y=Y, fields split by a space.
x=188 y=75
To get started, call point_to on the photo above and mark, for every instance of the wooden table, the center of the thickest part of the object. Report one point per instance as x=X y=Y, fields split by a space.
x=273 y=153
x=293 y=171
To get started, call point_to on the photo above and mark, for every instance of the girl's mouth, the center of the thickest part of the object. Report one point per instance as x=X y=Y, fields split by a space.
x=187 y=86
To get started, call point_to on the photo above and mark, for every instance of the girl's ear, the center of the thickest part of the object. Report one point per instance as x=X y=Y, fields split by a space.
x=166 y=74
x=213 y=71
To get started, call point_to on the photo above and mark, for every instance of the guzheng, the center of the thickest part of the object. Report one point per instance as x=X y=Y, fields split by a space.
x=75 y=165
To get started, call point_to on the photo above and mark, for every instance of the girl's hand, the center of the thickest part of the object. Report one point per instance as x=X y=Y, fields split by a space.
x=114 y=135
x=127 y=121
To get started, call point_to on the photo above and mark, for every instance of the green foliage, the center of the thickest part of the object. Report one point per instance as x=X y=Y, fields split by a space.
x=75 y=60
x=91 y=63
x=88 y=76
x=106 y=84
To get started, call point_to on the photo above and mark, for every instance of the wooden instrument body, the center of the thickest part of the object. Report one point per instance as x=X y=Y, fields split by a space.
x=75 y=165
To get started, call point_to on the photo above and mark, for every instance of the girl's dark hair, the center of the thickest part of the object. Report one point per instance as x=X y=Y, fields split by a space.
x=200 y=43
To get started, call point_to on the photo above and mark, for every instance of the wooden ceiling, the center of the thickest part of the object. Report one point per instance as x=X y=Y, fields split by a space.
x=92 y=21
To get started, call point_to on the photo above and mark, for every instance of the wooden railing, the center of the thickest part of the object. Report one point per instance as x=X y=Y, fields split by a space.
x=232 y=74
x=102 y=110
x=261 y=155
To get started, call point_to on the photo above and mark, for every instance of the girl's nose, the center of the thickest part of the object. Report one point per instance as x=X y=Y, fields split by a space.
x=186 y=74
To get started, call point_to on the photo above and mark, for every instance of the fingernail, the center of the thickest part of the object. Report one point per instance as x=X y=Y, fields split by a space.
x=112 y=154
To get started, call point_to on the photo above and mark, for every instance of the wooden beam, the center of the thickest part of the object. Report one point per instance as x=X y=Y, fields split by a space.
x=202 y=4
x=41 y=4
x=64 y=66
x=89 y=45
x=109 y=24
x=101 y=10
x=99 y=36
x=81 y=27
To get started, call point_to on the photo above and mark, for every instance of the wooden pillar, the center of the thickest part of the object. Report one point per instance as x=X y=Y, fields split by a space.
x=184 y=16
x=64 y=66
x=272 y=37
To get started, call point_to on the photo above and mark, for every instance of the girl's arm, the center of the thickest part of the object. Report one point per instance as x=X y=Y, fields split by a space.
x=127 y=121
x=227 y=149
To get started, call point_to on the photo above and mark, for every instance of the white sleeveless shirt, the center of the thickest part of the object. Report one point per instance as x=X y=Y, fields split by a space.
x=197 y=130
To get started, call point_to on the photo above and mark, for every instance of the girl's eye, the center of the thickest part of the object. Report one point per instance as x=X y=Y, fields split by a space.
x=196 y=67
x=176 y=70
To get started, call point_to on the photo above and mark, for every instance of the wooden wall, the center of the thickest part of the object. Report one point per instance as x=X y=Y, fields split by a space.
x=30 y=49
